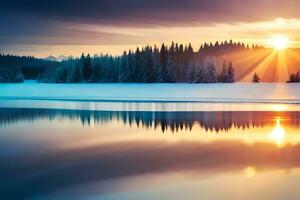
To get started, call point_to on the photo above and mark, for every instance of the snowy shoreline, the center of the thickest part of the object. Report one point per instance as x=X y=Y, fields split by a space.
x=152 y=97
x=157 y=100
x=208 y=93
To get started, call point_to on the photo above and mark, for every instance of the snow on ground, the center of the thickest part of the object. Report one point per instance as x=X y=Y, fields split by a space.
x=239 y=92
x=153 y=97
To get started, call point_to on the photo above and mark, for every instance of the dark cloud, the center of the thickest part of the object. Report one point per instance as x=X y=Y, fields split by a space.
x=43 y=22
x=153 y=11
x=32 y=30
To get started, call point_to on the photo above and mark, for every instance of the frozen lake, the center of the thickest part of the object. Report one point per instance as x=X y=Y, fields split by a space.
x=149 y=141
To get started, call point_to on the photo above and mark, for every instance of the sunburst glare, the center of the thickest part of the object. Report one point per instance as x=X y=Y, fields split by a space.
x=279 y=42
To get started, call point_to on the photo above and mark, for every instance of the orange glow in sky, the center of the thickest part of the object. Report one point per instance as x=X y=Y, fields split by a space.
x=281 y=32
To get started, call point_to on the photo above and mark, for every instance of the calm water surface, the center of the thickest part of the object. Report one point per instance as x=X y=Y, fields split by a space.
x=67 y=154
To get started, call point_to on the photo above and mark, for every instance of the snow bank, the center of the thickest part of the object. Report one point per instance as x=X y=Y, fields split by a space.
x=213 y=93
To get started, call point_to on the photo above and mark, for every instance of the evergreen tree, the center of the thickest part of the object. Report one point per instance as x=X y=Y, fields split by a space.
x=170 y=76
x=149 y=74
x=61 y=74
x=10 y=70
x=113 y=71
x=124 y=75
x=191 y=73
x=297 y=77
x=96 y=72
x=181 y=63
x=163 y=63
x=86 y=67
x=231 y=74
x=223 y=77
x=156 y=64
x=130 y=67
x=209 y=71
x=256 y=78
x=175 y=64
x=294 y=78
x=199 y=72
x=206 y=71
x=138 y=65
x=75 y=73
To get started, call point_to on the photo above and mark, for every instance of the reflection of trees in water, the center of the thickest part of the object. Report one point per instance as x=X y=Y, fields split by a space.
x=174 y=121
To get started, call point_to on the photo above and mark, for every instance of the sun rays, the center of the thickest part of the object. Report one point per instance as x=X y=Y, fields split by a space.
x=271 y=64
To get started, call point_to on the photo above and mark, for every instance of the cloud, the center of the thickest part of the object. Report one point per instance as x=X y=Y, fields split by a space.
x=154 y=12
x=135 y=22
x=18 y=30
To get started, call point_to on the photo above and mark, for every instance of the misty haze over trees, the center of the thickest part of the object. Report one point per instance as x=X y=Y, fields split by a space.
x=176 y=63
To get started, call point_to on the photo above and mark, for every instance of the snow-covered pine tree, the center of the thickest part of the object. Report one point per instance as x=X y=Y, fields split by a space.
x=209 y=71
x=181 y=63
x=170 y=71
x=170 y=76
x=149 y=74
x=156 y=64
x=96 y=72
x=75 y=73
x=130 y=60
x=191 y=72
x=124 y=74
x=138 y=63
x=199 y=72
x=223 y=75
x=19 y=76
x=10 y=71
x=86 y=67
x=61 y=73
x=163 y=55
x=231 y=73
x=112 y=70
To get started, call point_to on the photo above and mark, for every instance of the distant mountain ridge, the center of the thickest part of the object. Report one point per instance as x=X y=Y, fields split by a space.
x=58 y=59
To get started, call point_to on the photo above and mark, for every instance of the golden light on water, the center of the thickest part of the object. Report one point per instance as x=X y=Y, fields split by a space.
x=279 y=42
x=278 y=133
x=249 y=172
x=279 y=107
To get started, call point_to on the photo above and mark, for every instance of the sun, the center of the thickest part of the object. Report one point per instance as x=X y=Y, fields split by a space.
x=279 y=42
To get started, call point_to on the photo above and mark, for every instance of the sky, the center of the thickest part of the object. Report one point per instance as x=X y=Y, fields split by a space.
x=70 y=27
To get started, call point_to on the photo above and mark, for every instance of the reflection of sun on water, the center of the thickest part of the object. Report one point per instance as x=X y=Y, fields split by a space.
x=250 y=172
x=279 y=107
x=278 y=133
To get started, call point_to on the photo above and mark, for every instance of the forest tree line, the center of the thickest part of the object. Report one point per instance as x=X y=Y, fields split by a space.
x=176 y=63
x=14 y=69
x=148 y=65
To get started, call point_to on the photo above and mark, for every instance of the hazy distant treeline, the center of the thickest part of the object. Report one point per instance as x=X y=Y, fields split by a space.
x=176 y=63
x=14 y=69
